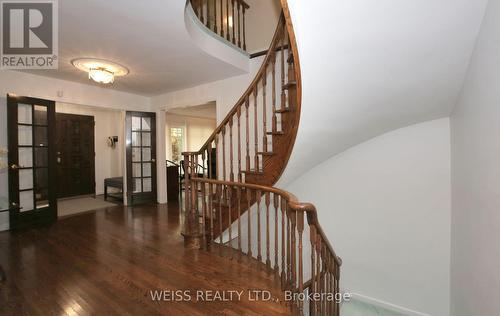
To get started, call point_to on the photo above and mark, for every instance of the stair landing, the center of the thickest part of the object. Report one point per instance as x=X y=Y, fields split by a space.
x=106 y=263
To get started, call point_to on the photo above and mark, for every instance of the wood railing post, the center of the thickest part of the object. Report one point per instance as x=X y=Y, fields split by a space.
x=221 y=18
x=300 y=230
x=244 y=33
x=192 y=234
x=264 y=111
x=215 y=16
x=233 y=22
x=239 y=143
x=239 y=25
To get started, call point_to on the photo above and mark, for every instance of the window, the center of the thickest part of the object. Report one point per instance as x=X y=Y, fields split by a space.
x=177 y=140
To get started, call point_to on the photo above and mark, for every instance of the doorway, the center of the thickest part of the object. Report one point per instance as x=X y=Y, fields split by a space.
x=75 y=155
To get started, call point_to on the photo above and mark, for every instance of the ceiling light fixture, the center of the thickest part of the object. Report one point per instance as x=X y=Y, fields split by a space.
x=100 y=70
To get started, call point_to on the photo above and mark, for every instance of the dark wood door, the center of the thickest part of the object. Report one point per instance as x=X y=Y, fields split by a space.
x=141 y=157
x=32 y=161
x=75 y=155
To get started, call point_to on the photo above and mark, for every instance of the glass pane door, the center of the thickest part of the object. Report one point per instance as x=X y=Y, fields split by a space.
x=30 y=144
x=141 y=157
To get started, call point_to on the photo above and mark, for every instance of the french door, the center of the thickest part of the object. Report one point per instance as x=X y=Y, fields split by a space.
x=32 y=161
x=141 y=157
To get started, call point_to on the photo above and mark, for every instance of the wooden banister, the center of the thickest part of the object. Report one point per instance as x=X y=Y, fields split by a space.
x=244 y=98
x=289 y=243
x=245 y=156
x=225 y=18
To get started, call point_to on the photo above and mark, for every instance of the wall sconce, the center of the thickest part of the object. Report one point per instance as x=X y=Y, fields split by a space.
x=112 y=140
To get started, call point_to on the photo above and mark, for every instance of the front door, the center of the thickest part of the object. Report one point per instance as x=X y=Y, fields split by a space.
x=32 y=161
x=141 y=157
x=75 y=155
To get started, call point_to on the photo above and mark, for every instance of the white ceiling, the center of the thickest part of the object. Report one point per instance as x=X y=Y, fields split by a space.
x=149 y=37
x=369 y=67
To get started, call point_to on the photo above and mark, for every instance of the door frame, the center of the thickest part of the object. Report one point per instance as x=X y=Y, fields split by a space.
x=27 y=219
x=143 y=197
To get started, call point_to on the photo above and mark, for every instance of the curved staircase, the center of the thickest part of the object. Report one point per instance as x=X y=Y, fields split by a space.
x=233 y=203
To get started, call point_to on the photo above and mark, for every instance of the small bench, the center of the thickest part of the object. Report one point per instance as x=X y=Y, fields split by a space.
x=116 y=183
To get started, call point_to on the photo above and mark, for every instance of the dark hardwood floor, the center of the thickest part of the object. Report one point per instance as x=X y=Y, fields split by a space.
x=107 y=262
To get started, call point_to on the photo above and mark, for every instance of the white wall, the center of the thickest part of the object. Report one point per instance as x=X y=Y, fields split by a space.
x=196 y=129
x=475 y=256
x=26 y=84
x=385 y=207
x=261 y=21
x=108 y=161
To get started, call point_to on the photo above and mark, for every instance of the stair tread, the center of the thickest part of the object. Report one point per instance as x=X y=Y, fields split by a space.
x=289 y=84
x=265 y=153
x=284 y=110
x=252 y=171
x=276 y=133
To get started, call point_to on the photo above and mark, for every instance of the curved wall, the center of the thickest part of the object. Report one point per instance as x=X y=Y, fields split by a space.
x=385 y=207
x=369 y=67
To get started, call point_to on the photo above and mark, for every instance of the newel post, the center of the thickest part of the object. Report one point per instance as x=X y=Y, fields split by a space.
x=192 y=233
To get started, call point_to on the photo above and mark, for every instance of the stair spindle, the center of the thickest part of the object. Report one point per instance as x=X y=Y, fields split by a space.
x=268 y=257
x=244 y=32
x=232 y=22
x=238 y=195
x=204 y=211
x=224 y=153
x=249 y=205
x=211 y=207
x=282 y=61
x=239 y=143
x=283 y=245
x=222 y=18
x=264 y=111
x=276 y=237
x=231 y=163
x=228 y=37
x=300 y=229
x=259 y=242
x=229 y=213
x=275 y=119
x=256 y=130
x=215 y=16
x=247 y=105
x=219 y=219
x=239 y=25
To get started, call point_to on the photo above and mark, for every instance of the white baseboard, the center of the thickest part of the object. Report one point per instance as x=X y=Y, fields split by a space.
x=386 y=305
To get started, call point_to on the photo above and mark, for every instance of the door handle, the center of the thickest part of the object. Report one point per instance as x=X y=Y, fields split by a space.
x=14 y=166
x=153 y=160
x=15 y=205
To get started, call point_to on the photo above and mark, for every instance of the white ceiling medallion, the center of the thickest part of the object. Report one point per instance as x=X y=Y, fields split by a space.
x=100 y=70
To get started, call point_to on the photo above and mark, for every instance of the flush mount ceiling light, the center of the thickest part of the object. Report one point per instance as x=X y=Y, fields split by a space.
x=100 y=70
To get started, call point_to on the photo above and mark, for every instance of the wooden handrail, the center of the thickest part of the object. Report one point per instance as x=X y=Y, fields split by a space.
x=285 y=228
x=291 y=199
